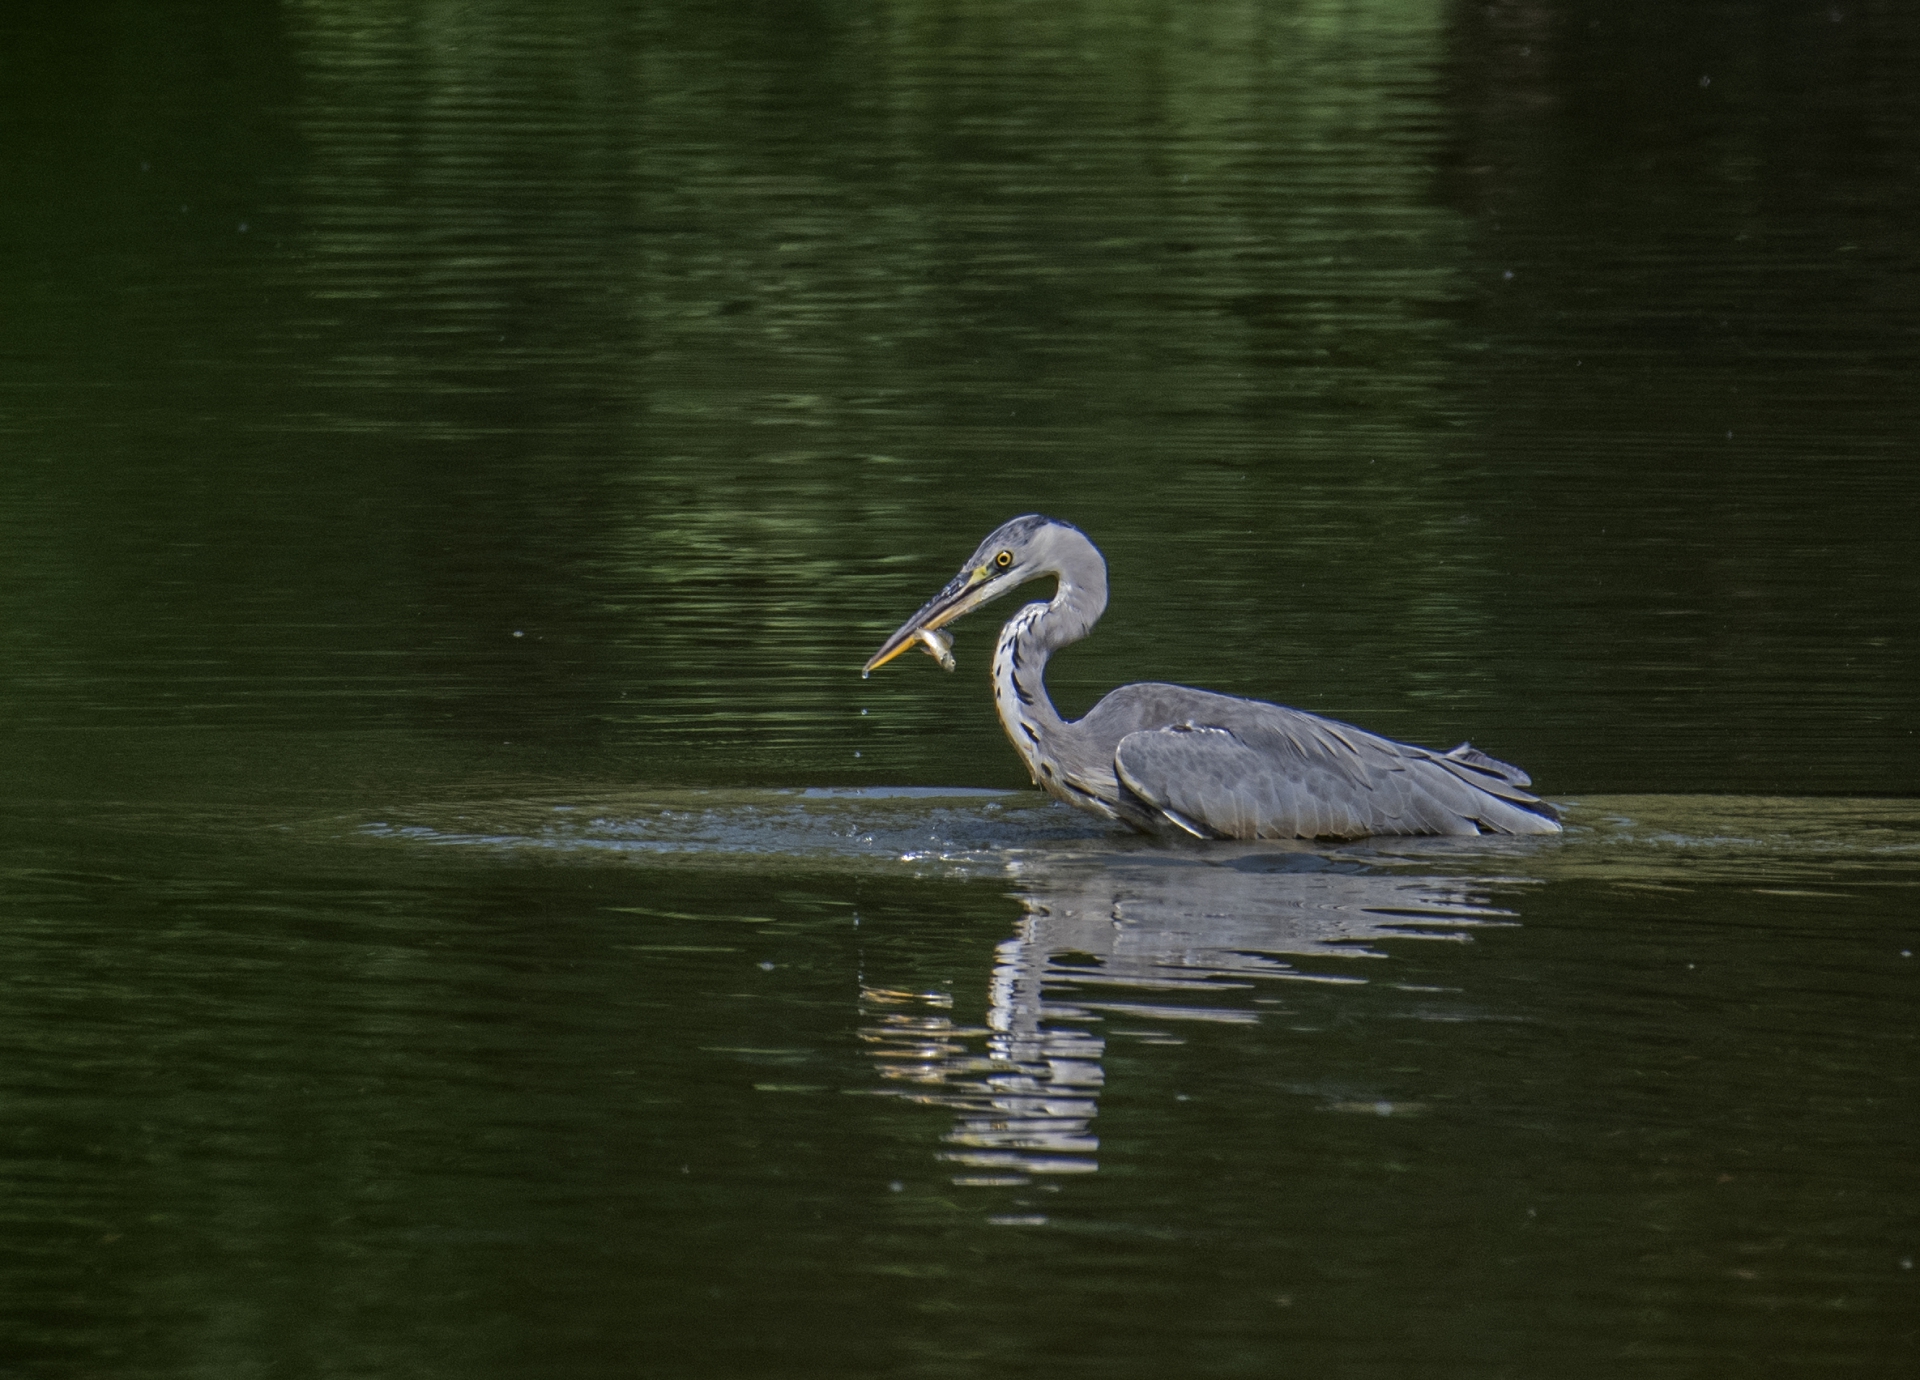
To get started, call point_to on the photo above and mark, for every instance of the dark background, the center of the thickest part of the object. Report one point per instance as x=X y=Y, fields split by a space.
x=1535 y=373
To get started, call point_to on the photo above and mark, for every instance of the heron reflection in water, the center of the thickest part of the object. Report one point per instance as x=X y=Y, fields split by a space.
x=1164 y=759
x=1137 y=951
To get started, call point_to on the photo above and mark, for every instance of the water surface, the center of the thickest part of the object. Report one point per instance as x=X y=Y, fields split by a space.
x=462 y=913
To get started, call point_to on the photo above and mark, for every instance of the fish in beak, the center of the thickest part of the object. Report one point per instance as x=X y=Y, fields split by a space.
x=965 y=593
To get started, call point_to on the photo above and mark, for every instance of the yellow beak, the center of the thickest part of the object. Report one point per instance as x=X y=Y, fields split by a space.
x=968 y=590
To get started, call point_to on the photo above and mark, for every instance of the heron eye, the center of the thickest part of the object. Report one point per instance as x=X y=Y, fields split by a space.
x=1004 y=559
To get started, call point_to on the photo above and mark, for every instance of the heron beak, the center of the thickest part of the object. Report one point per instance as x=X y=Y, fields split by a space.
x=967 y=592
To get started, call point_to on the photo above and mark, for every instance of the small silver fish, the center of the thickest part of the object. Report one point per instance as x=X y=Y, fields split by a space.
x=938 y=645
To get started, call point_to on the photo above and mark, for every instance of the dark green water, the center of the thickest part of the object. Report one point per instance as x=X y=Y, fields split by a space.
x=458 y=911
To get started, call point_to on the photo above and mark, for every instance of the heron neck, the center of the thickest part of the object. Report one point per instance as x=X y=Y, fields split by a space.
x=1079 y=601
x=1019 y=684
x=1030 y=637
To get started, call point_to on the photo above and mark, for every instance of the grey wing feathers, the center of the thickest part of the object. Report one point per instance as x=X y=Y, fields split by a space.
x=1280 y=773
x=1479 y=760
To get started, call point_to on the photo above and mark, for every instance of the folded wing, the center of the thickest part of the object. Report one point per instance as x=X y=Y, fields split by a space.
x=1271 y=772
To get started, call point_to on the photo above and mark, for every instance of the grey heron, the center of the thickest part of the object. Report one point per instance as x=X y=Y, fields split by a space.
x=1165 y=759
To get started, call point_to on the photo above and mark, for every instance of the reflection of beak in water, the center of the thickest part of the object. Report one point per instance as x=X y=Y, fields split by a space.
x=1156 y=939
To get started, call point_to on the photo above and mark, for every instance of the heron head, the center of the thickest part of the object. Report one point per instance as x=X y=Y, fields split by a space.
x=1013 y=553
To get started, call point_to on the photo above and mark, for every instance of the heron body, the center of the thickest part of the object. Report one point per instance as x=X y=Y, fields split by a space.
x=1166 y=759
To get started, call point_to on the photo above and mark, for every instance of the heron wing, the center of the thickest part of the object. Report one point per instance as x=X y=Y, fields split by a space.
x=1264 y=771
